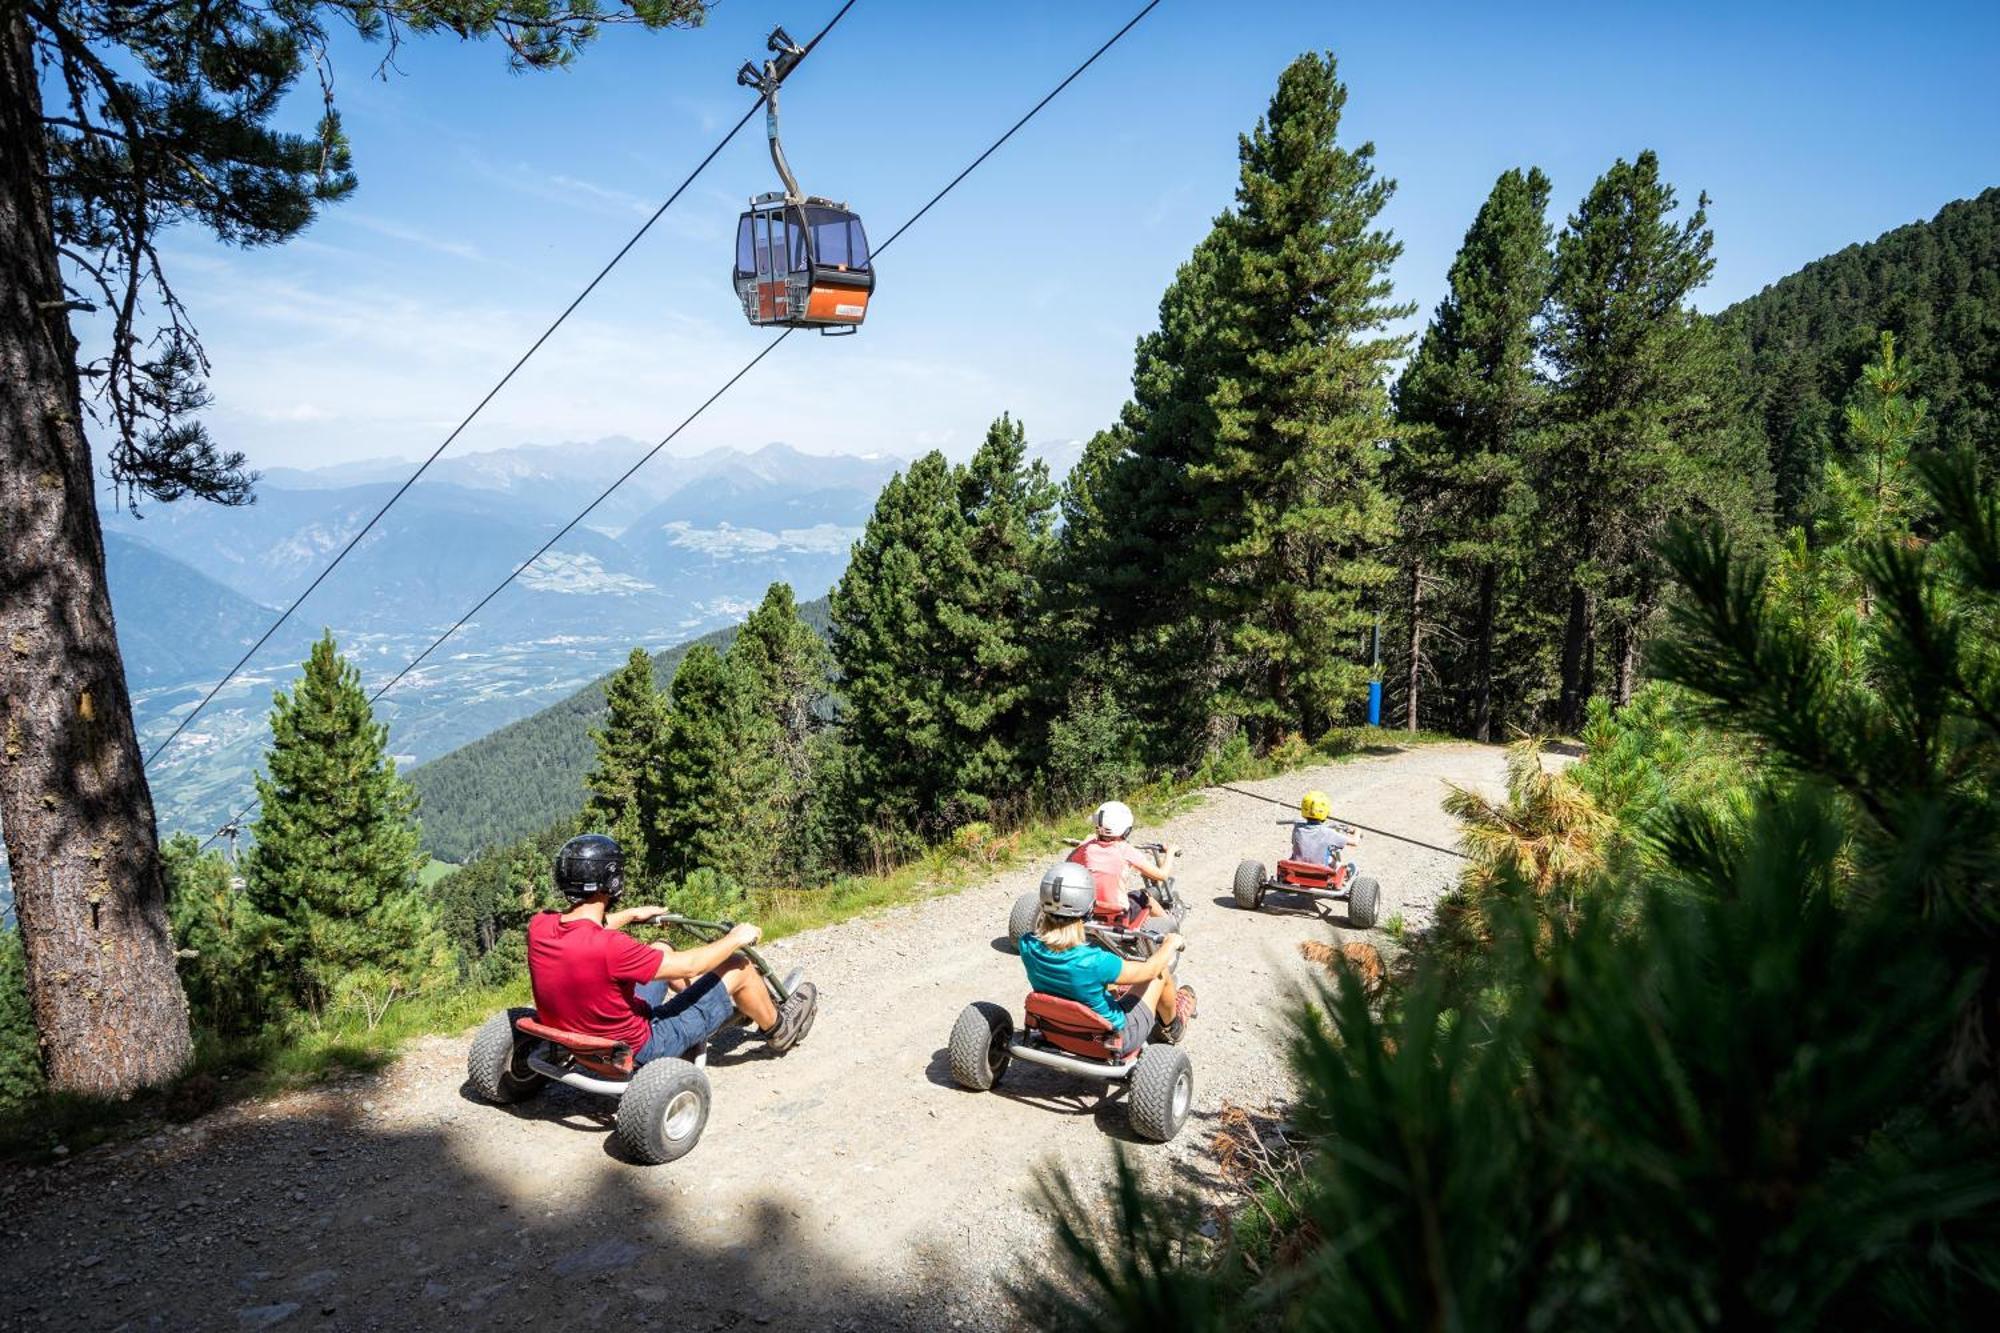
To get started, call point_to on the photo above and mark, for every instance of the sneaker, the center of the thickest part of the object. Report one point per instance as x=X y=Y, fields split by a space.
x=795 y=1017
x=1184 y=1009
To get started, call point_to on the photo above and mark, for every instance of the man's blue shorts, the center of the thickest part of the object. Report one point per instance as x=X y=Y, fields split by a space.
x=684 y=1020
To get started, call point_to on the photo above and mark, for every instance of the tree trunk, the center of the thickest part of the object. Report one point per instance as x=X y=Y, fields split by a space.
x=1482 y=662
x=1628 y=662
x=1416 y=642
x=89 y=887
x=1575 y=664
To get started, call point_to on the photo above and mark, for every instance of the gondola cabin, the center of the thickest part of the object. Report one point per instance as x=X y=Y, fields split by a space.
x=803 y=265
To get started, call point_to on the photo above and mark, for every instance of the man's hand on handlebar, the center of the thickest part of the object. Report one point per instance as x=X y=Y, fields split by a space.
x=745 y=936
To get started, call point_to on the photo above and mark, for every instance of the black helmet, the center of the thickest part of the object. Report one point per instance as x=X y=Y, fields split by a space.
x=590 y=863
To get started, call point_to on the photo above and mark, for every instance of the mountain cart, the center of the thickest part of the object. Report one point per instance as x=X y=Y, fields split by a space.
x=1063 y=1034
x=662 y=1104
x=1027 y=908
x=1309 y=879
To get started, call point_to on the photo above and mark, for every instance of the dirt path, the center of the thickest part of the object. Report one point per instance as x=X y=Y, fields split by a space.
x=848 y=1185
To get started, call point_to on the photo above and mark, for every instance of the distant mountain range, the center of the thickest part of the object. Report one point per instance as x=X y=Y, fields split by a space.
x=689 y=544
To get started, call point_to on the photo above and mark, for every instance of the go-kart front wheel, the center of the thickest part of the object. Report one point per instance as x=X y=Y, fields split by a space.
x=979 y=1053
x=663 y=1112
x=1362 y=901
x=497 y=1065
x=1021 y=921
x=1162 y=1092
x=1249 y=886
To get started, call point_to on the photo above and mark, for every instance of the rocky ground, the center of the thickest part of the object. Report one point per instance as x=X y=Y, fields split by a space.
x=848 y=1185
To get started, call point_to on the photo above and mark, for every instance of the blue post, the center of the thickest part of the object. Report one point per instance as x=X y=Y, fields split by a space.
x=1375 y=686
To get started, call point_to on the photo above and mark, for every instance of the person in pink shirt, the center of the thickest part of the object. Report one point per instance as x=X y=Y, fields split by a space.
x=1108 y=856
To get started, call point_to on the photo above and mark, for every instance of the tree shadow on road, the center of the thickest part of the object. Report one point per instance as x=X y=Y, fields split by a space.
x=325 y=1219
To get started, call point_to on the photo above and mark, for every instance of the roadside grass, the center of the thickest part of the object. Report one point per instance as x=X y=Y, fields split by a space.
x=305 y=1051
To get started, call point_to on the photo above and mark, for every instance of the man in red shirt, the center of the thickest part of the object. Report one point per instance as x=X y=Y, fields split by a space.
x=591 y=977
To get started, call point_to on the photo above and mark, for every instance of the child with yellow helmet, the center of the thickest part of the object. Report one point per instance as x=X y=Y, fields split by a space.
x=1313 y=838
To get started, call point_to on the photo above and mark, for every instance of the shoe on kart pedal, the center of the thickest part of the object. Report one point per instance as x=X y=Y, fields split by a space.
x=1184 y=1010
x=795 y=1017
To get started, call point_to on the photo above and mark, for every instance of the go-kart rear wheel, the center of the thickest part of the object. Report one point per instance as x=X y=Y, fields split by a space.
x=1362 y=902
x=497 y=1065
x=1249 y=886
x=1021 y=921
x=663 y=1112
x=979 y=1053
x=1162 y=1091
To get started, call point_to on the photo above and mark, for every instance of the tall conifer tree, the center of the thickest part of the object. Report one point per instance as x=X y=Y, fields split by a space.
x=1129 y=563
x=1471 y=395
x=1294 y=514
x=934 y=625
x=624 y=783
x=710 y=771
x=782 y=666
x=1646 y=390
x=998 y=702
x=335 y=860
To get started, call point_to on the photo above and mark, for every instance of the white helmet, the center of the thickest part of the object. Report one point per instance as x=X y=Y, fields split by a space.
x=1068 y=890
x=1114 y=818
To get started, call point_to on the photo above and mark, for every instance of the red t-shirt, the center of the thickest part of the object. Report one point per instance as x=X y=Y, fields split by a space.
x=583 y=975
x=1106 y=860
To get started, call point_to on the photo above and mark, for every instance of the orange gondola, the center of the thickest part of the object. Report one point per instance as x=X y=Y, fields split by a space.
x=801 y=261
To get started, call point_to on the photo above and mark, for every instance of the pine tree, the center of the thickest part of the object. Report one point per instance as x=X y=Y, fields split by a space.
x=783 y=668
x=1294 y=514
x=225 y=944
x=889 y=645
x=1472 y=393
x=935 y=627
x=335 y=859
x=624 y=783
x=707 y=773
x=1647 y=420
x=997 y=700
x=1128 y=626
x=118 y=121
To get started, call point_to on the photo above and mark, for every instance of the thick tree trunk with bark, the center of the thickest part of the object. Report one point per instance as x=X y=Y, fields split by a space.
x=89 y=887
x=1482 y=661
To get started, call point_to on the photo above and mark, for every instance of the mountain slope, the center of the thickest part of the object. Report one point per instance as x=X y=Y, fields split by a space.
x=1935 y=285
x=530 y=773
x=174 y=621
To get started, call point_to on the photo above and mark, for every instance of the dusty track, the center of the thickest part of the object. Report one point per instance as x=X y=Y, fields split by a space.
x=848 y=1185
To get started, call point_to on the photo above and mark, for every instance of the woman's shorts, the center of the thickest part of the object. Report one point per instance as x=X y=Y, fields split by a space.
x=1138 y=1019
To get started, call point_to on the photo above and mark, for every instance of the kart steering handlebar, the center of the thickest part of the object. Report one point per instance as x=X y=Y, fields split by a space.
x=707 y=931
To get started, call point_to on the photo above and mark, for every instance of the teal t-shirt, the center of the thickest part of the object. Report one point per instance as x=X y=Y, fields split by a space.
x=1079 y=974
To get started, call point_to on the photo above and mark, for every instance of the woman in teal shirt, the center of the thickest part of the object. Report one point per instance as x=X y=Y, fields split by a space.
x=1062 y=961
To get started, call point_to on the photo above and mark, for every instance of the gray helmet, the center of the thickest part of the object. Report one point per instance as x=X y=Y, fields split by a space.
x=1068 y=890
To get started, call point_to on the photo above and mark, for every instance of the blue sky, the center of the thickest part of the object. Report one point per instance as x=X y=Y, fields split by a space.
x=487 y=198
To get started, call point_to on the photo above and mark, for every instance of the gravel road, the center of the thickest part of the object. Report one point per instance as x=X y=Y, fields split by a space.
x=848 y=1185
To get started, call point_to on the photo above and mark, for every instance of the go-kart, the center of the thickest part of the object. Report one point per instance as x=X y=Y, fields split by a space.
x=1310 y=879
x=662 y=1104
x=1064 y=1034
x=1027 y=908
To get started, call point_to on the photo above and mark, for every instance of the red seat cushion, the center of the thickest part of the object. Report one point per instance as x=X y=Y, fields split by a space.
x=1072 y=1026
x=1306 y=873
x=603 y=1055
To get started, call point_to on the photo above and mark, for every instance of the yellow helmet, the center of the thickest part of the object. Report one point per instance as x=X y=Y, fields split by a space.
x=1314 y=805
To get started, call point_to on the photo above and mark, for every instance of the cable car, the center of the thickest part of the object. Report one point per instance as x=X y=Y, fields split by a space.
x=803 y=264
x=801 y=261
